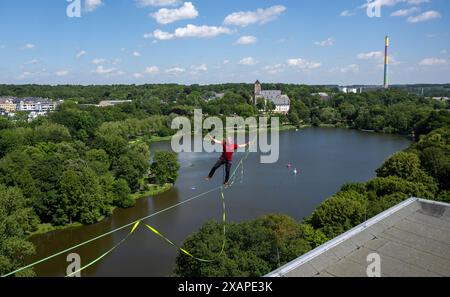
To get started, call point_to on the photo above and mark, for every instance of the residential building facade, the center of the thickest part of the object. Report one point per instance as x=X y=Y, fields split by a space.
x=7 y=104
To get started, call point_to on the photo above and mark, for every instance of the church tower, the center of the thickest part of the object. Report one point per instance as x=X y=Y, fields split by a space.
x=258 y=90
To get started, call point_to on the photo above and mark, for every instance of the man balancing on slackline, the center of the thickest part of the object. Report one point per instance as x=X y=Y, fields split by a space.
x=226 y=158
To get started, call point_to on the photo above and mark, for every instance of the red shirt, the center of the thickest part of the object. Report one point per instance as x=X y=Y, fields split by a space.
x=228 y=150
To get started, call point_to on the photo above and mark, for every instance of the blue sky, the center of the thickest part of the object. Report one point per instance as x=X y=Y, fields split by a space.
x=216 y=41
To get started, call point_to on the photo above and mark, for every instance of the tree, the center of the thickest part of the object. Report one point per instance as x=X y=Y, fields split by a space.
x=347 y=111
x=437 y=163
x=165 y=167
x=122 y=193
x=406 y=166
x=382 y=186
x=293 y=118
x=327 y=116
x=315 y=237
x=50 y=132
x=98 y=160
x=380 y=204
x=15 y=170
x=133 y=164
x=252 y=248
x=340 y=213
x=111 y=142
x=80 y=194
x=10 y=139
x=270 y=107
x=436 y=120
x=17 y=221
x=261 y=103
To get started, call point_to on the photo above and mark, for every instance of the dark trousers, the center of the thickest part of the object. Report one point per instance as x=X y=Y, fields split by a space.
x=220 y=163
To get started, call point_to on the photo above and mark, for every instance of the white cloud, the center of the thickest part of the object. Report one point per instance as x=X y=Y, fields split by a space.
x=200 y=68
x=303 y=64
x=433 y=62
x=29 y=46
x=226 y=61
x=417 y=2
x=353 y=68
x=166 y=16
x=191 y=31
x=245 y=40
x=405 y=12
x=378 y=57
x=175 y=70
x=145 y=3
x=161 y=35
x=347 y=13
x=148 y=35
x=81 y=53
x=152 y=70
x=32 y=62
x=201 y=31
x=382 y=3
x=260 y=16
x=138 y=75
x=274 y=69
x=425 y=16
x=392 y=62
x=62 y=72
x=98 y=61
x=116 y=61
x=249 y=61
x=28 y=74
x=329 y=42
x=91 y=5
x=136 y=54
x=371 y=55
x=101 y=70
x=25 y=75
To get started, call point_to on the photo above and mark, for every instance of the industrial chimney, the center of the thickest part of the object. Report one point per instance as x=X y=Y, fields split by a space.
x=386 y=64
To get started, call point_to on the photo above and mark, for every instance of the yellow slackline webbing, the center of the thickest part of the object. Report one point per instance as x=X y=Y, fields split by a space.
x=155 y=231
x=105 y=254
x=109 y=233
x=224 y=218
x=136 y=224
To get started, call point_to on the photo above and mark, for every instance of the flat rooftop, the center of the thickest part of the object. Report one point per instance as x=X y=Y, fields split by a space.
x=412 y=240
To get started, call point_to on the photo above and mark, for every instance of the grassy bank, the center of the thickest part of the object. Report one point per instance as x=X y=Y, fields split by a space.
x=154 y=139
x=46 y=228
x=152 y=191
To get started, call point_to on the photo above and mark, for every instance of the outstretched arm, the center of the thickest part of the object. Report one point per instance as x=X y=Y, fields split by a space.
x=215 y=140
x=248 y=144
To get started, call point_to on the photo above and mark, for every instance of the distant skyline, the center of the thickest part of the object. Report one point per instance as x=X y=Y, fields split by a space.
x=220 y=41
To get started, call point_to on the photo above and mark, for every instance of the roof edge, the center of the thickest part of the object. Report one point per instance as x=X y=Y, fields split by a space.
x=280 y=272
